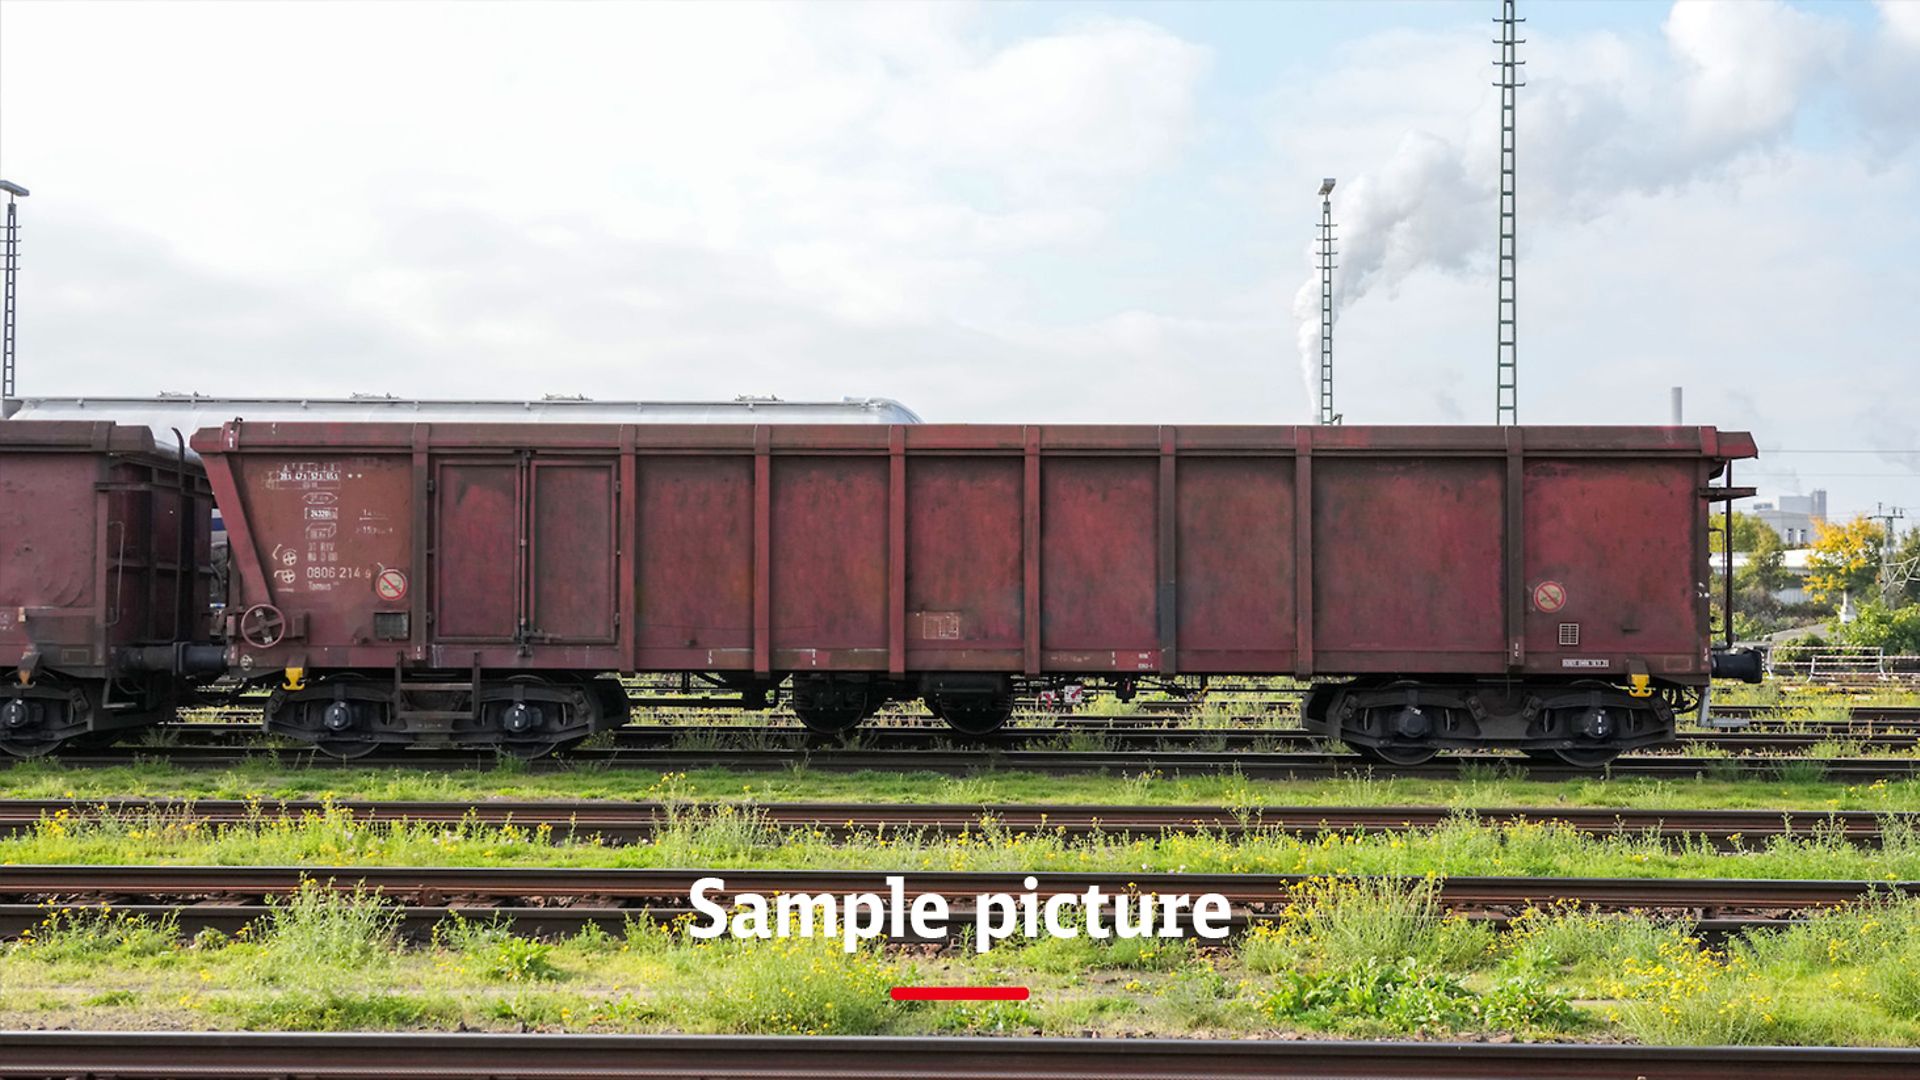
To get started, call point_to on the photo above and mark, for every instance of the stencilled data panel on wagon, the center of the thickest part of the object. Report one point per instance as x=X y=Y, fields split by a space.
x=332 y=525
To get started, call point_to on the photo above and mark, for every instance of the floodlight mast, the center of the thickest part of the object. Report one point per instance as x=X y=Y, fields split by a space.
x=9 y=304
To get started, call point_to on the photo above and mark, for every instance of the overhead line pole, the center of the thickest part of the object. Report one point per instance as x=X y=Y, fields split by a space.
x=1886 y=516
x=1327 y=415
x=9 y=305
x=1506 y=343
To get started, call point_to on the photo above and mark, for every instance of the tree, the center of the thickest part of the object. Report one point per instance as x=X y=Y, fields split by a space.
x=1895 y=631
x=1766 y=559
x=1750 y=533
x=1845 y=559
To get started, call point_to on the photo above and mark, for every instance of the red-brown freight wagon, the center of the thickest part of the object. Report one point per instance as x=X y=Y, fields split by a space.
x=1544 y=588
x=104 y=577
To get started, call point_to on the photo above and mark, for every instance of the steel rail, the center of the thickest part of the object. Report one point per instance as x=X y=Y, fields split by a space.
x=1258 y=764
x=623 y=886
x=364 y=1056
x=419 y=921
x=637 y=820
x=937 y=735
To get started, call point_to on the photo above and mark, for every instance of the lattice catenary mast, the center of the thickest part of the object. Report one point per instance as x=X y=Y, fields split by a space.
x=1327 y=415
x=8 y=305
x=1891 y=576
x=1506 y=348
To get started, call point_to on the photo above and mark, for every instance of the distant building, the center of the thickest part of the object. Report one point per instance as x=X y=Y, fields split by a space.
x=1793 y=516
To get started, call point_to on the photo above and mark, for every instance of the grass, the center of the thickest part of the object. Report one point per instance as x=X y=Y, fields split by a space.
x=266 y=781
x=728 y=837
x=1347 y=958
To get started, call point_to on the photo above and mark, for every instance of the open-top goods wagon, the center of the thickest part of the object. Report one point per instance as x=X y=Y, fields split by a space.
x=1539 y=588
x=104 y=575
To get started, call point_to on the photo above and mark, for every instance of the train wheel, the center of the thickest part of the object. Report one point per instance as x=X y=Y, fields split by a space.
x=823 y=720
x=829 y=706
x=977 y=716
x=538 y=724
x=32 y=723
x=28 y=748
x=1404 y=757
x=337 y=714
x=535 y=749
x=346 y=749
x=1586 y=757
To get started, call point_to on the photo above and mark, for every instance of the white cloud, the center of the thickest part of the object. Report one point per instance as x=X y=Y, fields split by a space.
x=1746 y=67
x=1106 y=98
x=1601 y=118
x=868 y=164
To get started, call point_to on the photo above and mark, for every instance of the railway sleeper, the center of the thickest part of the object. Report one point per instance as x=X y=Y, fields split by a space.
x=351 y=715
x=1585 y=724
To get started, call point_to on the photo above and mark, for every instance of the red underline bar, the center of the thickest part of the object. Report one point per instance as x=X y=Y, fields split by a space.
x=959 y=993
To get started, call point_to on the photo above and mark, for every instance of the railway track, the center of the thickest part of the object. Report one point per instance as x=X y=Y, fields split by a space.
x=360 y=1056
x=934 y=735
x=630 y=821
x=1256 y=764
x=627 y=886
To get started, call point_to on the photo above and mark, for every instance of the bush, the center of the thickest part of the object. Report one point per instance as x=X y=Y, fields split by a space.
x=1337 y=922
x=1875 y=625
x=318 y=932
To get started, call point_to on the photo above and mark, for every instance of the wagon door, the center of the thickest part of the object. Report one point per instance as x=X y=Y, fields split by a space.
x=570 y=551
x=476 y=548
x=525 y=550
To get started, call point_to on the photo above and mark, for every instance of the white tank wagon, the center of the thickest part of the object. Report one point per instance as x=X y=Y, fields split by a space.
x=190 y=412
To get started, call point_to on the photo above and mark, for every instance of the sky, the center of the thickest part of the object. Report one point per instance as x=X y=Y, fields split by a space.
x=1069 y=212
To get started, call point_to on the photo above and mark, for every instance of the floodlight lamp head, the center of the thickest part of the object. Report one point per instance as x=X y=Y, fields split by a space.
x=1326 y=187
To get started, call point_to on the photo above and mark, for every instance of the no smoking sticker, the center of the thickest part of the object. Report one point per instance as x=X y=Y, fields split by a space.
x=1549 y=596
x=390 y=584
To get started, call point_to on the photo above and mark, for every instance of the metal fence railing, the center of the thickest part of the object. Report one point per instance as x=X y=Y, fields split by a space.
x=1840 y=664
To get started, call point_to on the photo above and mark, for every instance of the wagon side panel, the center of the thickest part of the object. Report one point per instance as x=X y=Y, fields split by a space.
x=50 y=536
x=828 y=553
x=324 y=540
x=1098 y=563
x=1610 y=566
x=1235 y=564
x=964 y=579
x=695 y=562
x=1408 y=564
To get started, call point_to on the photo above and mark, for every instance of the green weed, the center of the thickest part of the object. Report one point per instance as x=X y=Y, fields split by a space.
x=491 y=950
x=93 y=935
x=319 y=930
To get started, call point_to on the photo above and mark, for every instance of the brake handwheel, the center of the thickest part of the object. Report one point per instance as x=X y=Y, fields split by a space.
x=263 y=626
